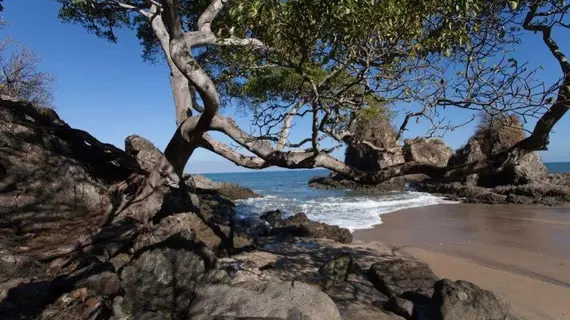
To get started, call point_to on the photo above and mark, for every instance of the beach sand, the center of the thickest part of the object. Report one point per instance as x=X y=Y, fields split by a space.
x=521 y=253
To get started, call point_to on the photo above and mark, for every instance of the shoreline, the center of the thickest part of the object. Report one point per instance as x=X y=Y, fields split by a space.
x=520 y=252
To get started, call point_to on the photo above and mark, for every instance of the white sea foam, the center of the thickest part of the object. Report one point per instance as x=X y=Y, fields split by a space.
x=352 y=212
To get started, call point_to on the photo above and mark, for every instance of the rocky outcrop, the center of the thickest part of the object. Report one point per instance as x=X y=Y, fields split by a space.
x=404 y=278
x=335 y=181
x=544 y=192
x=147 y=155
x=433 y=151
x=374 y=128
x=59 y=184
x=278 y=300
x=162 y=279
x=464 y=300
x=52 y=171
x=217 y=236
x=300 y=225
x=230 y=191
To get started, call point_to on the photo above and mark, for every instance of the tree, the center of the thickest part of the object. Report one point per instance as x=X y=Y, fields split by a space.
x=329 y=61
x=19 y=77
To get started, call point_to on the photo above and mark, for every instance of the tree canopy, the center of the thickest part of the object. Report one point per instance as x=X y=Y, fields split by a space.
x=332 y=61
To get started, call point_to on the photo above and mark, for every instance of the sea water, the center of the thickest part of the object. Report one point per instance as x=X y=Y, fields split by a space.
x=289 y=192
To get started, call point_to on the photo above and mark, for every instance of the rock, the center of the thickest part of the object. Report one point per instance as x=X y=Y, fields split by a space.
x=462 y=300
x=287 y=300
x=299 y=225
x=57 y=179
x=215 y=236
x=433 y=151
x=357 y=299
x=401 y=307
x=528 y=169
x=376 y=129
x=337 y=270
x=230 y=191
x=272 y=217
x=164 y=277
x=469 y=153
x=409 y=279
x=119 y=261
x=78 y=304
x=253 y=227
x=335 y=181
x=147 y=155
x=104 y=283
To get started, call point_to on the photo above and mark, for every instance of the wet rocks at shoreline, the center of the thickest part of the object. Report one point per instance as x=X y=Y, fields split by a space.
x=300 y=225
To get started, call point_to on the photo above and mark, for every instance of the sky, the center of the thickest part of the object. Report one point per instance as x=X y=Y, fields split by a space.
x=108 y=90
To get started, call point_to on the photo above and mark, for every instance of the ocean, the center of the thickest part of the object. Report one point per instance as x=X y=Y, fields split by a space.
x=289 y=192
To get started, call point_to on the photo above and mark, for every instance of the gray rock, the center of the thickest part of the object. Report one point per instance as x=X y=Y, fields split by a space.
x=147 y=155
x=105 y=283
x=433 y=151
x=300 y=225
x=230 y=191
x=357 y=299
x=287 y=300
x=213 y=235
x=272 y=217
x=78 y=304
x=401 y=307
x=164 y=277
x=376 y=129
x=335 y=181
x=462 y=300
x=337 y=270
x=409 y=279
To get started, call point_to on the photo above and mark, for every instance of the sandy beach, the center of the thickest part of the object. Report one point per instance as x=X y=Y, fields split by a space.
x=520 y=252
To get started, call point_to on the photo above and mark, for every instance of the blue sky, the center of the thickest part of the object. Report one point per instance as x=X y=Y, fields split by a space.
x=109 y=91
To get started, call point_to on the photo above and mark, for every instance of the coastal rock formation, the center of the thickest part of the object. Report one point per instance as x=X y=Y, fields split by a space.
x=336 y=181
x=433 y=151
x=61 y=186
x=373 y=128
x=230 y=191
x=300 y=225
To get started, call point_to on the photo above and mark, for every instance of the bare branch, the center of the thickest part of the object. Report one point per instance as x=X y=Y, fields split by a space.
x=208 y=16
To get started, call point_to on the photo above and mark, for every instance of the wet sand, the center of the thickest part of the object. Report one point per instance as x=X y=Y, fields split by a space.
x=520 y=252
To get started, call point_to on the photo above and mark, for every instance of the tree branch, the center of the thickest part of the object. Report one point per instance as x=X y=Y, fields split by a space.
x=208 y=16
x=251 y=162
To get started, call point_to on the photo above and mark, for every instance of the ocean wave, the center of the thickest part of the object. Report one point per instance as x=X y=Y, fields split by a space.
x=352 y=212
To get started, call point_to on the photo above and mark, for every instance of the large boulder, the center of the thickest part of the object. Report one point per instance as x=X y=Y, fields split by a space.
x=405 y=278
x=433 y=151
x=56 y=180
x=528 y=169
x=215 y=236
x=337 y=271
x=230 y=191
x=300 y=225
x=462 y=300
x=163 y=278
x=374 y=128
x=147 y=155
x=278 y=300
